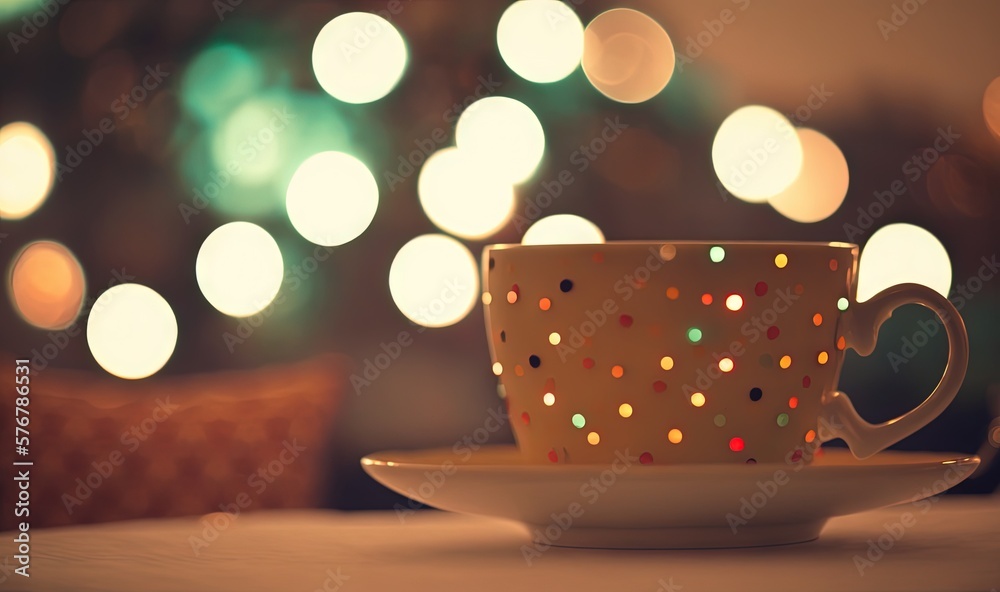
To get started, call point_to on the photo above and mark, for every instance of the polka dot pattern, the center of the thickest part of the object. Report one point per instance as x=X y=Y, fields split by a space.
x=704 y=335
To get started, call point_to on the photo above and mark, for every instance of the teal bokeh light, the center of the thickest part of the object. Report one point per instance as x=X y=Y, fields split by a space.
x=218 y=79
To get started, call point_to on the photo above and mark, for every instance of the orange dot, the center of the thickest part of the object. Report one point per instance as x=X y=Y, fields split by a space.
x=793 y=402
x=810 y=435
x=817 y=319
x=799 y=288
x=544 y=304
x=706 y=299
x=519 y=370
x=673 y=293
x=833 y=265
x=823 y=357
x=617 y=371
x=598 y=257
x=841 y=343
x=512 y=297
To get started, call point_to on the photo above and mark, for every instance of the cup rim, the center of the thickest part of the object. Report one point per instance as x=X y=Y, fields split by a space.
x=659 y=243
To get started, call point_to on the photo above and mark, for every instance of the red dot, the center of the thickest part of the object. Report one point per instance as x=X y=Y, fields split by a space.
x=793 y=402
x=773 y=332
x=833 y=265
x=806 y=381
x=550 y=385
x=760 y=289
x=797 y=455
x=588 y=363
x=625 y=320
x=553 y=457
x=736 y=444
x=526 y=418
x=646 y=458
x=515 y=289
x=706 y=299
x=659 y=386
x=598 y=257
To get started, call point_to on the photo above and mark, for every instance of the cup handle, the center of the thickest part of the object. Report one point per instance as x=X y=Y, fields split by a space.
x=859 y=326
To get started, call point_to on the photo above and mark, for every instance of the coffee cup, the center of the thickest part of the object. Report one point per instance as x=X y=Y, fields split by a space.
x=692 y=352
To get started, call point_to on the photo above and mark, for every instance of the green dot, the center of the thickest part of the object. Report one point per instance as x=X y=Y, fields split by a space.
x=694 y=334
x=720 y=420
x=783 y=419
x=842 y=304
x=578 y=420
x=716 y=254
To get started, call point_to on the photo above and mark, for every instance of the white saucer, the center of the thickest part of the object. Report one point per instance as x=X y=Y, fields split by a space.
x=662 y=507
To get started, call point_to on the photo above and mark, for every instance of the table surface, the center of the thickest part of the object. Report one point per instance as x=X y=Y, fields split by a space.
x=954 y=546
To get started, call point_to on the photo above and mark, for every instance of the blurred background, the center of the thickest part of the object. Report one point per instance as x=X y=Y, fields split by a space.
x=267 y=171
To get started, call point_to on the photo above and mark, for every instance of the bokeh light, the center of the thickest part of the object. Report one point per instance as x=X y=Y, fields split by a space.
x=434 y=280
x=463 y=195
x=821 y=186
x=249 y=137
x=903 y=253
x=332 y=198
x=627 y=56
x=218 y=79
x=991 y=107
x=540 y=40
x=756 y=153
x=239 y=269
x=131 y=331
x=503 y=133
x=27 y=169
x=46 y=285
x=358 y=57
x=563 y=229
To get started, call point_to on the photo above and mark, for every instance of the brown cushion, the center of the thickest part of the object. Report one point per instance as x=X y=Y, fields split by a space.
x=109 y=449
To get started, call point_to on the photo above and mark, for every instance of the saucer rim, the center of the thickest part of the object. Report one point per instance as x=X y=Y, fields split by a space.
x=887 y=458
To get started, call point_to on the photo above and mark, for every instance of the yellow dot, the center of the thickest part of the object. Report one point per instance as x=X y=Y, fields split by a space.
x=810 y=435
x=497 y=368
x=697 y=399
x=594 y=438
x=512 y=297
x=666 y=362
x=734 y=302
x=780 y=260
x=625 y=410
x=823 y=357
x=617 y=371
x=554 y=338
x=726 y=364
x=785 y=361
x=549 y=399
x=487 y=298
x=673 y=293
x=675 y=436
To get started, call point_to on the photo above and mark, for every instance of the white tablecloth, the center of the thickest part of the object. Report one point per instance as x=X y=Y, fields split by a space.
x=954 y=546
